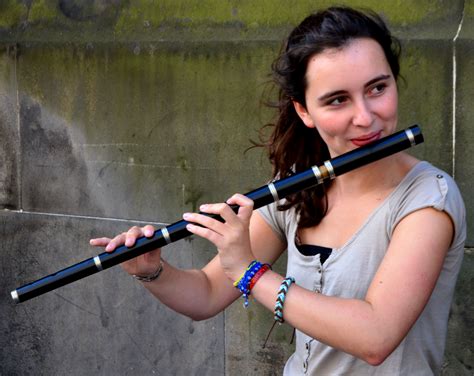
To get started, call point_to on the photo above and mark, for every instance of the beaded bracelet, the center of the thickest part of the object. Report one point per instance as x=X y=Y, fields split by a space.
x=236 y=283
x=256 y=277
x=244 y=282
x=280 y=301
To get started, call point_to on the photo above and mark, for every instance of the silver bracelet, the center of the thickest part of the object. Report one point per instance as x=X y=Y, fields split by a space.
x=151 y=277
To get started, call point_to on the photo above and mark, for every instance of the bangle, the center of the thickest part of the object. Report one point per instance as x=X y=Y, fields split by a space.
x=256 y=277
x=280 y=301
x=150 y=277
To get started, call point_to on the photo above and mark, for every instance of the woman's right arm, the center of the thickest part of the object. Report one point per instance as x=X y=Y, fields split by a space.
x=198 y=294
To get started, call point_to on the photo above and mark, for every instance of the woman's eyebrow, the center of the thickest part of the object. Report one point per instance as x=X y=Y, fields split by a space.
x=331 y=94
x=378 y=78
x=323 y=97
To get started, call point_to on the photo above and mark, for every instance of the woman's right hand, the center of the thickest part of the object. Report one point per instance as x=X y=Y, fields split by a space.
x=142 y=265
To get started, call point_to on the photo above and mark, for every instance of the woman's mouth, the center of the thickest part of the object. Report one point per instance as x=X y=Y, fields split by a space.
x=367 y=139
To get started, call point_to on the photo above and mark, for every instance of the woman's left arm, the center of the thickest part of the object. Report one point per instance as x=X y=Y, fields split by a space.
x=372 y=328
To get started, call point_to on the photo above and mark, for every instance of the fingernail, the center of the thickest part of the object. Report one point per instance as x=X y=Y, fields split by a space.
x=203 y=207
x=186 y=216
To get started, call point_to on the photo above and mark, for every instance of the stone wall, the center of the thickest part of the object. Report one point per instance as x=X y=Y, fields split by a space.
x=115 y=113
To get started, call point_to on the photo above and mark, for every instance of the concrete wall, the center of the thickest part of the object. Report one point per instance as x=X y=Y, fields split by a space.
x=114 y=113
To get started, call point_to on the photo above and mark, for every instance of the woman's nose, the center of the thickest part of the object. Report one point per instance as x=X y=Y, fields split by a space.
x=363 y=116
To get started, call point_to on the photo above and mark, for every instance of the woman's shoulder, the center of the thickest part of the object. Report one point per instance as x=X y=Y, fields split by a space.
x=427 y=186
x=281 y=221
x=425 y=176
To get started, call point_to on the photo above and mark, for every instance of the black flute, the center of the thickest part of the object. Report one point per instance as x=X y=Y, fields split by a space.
x=262 y=196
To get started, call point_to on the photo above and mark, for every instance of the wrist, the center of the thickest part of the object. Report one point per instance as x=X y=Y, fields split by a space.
x=239 y=271
x=150 y=277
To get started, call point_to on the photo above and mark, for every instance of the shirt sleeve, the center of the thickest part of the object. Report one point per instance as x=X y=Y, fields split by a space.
x=275 y=219
x=432 y=188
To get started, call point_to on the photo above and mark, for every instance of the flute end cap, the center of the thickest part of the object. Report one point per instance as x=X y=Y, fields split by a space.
x=15 y=297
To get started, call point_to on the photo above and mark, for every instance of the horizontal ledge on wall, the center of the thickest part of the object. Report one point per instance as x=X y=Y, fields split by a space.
x=196 y=34
x=75 y=216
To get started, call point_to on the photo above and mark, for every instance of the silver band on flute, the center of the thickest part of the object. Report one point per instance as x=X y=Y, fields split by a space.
x=98 y=263
x=330 y=169
x=15 y=297
x=166 y=235
x=273 y=191
x=410 y=137
x=317 y=174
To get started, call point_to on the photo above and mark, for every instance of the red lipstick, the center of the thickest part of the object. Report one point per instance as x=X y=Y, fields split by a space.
x=366 y=139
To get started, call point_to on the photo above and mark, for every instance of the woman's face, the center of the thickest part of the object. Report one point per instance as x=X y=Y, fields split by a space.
x=351 y=96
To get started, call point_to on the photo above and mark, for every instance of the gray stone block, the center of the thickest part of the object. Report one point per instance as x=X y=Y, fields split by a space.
x=467 y=29
x=9 y=137
x=464 y=129
x=127 y=134
x=105 y=324
x=459 y=357
x=426 y=98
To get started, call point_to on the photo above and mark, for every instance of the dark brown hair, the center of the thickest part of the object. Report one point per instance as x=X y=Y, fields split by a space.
x=292 y=147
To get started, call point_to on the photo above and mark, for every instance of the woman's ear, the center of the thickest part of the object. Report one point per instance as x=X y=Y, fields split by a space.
x=303 y=114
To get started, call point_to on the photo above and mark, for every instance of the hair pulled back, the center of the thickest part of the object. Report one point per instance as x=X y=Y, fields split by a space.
x=293 y=147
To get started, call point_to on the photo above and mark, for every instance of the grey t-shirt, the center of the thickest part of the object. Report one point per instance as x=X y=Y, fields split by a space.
x=349 y=270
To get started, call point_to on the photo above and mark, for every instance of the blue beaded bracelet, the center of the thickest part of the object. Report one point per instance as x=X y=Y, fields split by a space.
x=243 y=283
x=280 y=301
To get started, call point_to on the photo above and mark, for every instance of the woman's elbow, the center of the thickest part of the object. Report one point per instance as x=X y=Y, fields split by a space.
x=201 y=315
x=375 y=355
x=375 y=359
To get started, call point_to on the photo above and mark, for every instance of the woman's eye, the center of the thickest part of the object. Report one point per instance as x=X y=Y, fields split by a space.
x=378 y=89
x=337 y=101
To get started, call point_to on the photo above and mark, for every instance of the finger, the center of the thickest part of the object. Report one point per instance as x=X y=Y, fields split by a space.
x=245 y=205
x=240 y=199
x=205 y=233
x=115 y=242
x=99 y=242
x=132 y=235
x=205 y=221
x=222 y=209
x=148 y=231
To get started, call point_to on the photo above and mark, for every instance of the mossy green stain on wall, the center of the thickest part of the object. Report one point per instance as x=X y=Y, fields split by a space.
x=11 y=13
x=142 y=20
x=45 y=11
x=264 y=13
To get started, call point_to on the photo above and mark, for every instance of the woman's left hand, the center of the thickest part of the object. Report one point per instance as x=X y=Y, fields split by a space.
x=231 y=238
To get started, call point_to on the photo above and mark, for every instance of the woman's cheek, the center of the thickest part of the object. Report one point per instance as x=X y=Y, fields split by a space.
x=332 y=122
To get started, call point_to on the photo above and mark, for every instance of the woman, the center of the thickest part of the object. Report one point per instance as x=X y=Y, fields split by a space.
x=374 y=254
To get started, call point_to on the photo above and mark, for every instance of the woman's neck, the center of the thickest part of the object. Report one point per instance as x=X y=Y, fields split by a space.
x=380 y=176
